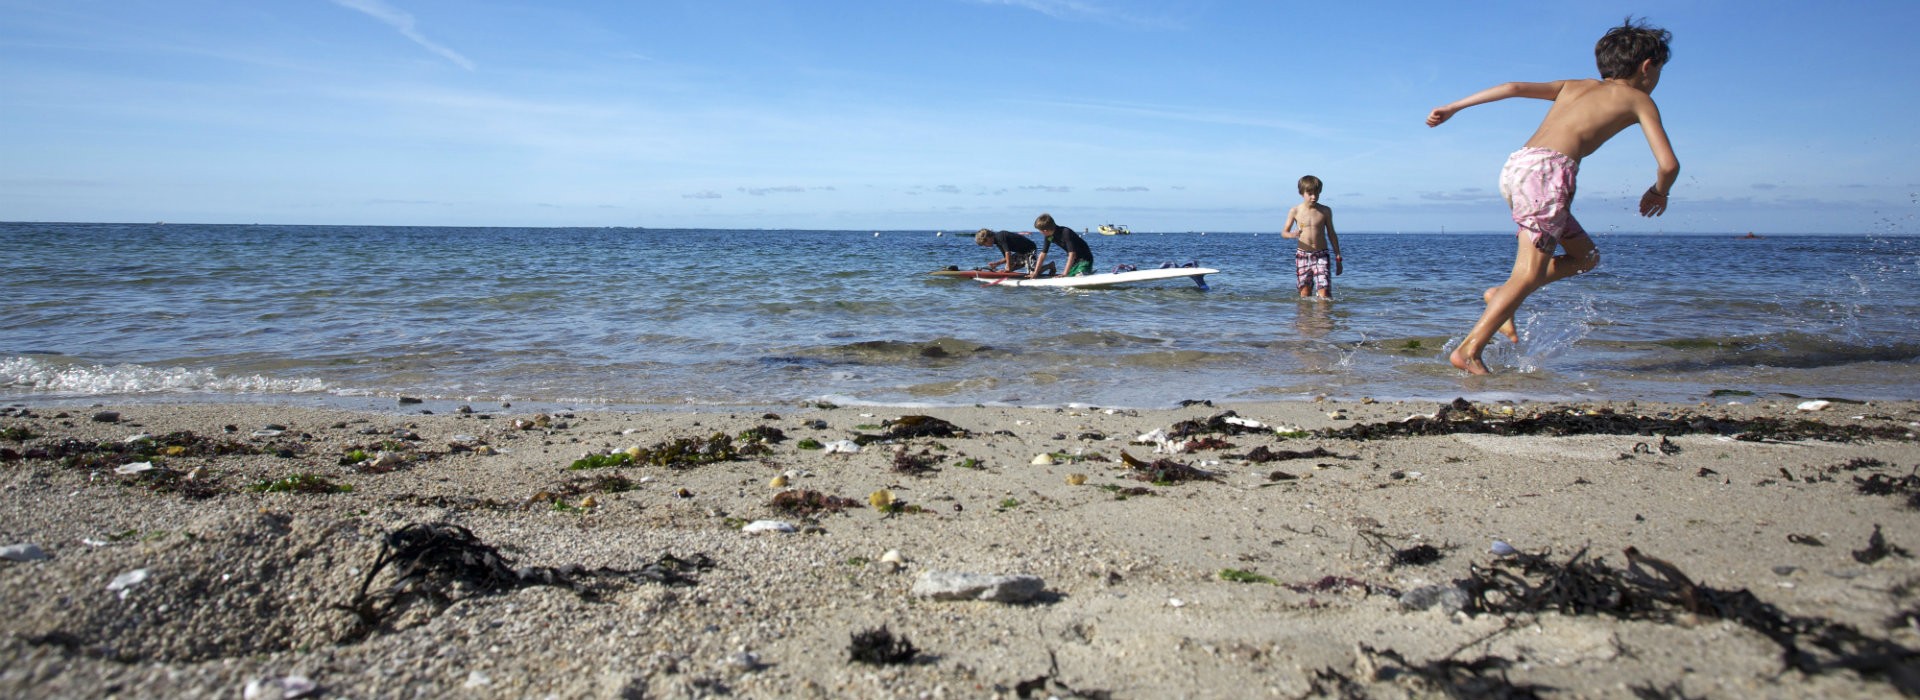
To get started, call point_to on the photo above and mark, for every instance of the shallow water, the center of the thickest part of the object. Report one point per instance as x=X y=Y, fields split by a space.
x=649 y=317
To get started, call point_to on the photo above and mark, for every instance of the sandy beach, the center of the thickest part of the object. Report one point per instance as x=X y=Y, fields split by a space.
x=1351 y=549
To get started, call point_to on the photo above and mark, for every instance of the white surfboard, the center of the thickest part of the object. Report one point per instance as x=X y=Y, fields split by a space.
x=1112 y=278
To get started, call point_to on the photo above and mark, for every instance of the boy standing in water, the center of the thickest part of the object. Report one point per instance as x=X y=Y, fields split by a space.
x=1319 y=245
x=1079 y=256
x=1538 y=180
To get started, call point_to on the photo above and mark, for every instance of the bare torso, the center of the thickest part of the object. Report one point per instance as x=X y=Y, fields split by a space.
x=1312 y=220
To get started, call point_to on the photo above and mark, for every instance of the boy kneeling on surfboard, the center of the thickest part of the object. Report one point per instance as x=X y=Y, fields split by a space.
x=1079 y=256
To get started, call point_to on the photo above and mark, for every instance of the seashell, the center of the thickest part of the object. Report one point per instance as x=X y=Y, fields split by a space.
x=136 y=437
x=1042 y=459
x=1244 y=422
x=133 y=468
x=1502 y=548
x=1076 y=479
x=384 y=459
x=485 y=450
x=633 y=452
x=1814 y=405
x=196 y=474
x=841 y=447
x=589 y=502
x=778 y=482
x=881 y=499
x=893 y=559
x=174 y=451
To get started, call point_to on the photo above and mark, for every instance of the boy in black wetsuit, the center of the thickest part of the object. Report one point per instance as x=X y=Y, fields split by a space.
x=1079 y=256
x=1016 y=252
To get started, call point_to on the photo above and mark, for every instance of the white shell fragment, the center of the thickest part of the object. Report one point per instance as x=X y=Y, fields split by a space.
x=1502 y=548
x=133 y=468
x=125 y=582
x=295 y=686
x=759 y=526
x=842 y=447
x=1815 y=405
x=25 y=551
x=894 y=560
x=1042 y=459
x=1246 y=422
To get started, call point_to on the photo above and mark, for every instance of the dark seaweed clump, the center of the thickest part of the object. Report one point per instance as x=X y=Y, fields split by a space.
x=81 y=454
x=1883 y=485
x=1263 y=454
x=915 y=464
x=1463 y=417
x=1164 y=471
x=880 y=647
x=1213 y=424
x=909 y=427
x=1654 y=590
x=431 y=562
x=805 y=502
x=678 y=453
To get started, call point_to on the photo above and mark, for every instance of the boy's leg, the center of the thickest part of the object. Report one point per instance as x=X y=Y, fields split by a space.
x=1580 y=256
x=1532 y=269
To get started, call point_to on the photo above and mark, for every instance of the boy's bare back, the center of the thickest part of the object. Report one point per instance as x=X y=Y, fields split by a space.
x=1586 y=113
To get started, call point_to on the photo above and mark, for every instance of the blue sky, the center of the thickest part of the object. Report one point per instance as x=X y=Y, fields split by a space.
x=926 y=114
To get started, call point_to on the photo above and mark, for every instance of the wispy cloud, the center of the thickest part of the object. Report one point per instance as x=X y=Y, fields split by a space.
x=708 y=194
x=1078 y=9
x=1134 y=188
x=403 y=23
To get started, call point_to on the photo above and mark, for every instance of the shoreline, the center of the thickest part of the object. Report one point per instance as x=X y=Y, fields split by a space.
x=1287 y=578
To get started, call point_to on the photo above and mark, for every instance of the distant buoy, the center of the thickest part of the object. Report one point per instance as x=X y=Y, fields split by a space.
x=937 y=234
x=876 y=234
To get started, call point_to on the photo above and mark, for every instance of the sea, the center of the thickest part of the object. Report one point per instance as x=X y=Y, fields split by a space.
x=630 y=318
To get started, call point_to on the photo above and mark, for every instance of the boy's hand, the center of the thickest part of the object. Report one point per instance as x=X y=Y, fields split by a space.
x=1438 y=115
x=1337 y=266
x=1652 y=203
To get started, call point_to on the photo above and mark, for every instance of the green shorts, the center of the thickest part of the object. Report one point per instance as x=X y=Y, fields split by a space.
x=1080 y=268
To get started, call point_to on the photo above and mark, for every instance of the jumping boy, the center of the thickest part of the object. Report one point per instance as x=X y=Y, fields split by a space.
x=1079 y=256
x=1319 y=245
x=1538 y=180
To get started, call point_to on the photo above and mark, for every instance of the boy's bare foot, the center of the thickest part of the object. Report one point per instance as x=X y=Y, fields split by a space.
x=1506 y=328
x=1468 y=362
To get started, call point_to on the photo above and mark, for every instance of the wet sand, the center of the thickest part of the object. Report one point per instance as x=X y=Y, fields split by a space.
x=1297 y=577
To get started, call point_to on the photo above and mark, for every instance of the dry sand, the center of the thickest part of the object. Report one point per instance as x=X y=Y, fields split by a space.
x=1251 y=585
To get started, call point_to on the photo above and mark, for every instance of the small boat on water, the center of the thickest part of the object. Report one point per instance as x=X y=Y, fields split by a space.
x=1114 y=230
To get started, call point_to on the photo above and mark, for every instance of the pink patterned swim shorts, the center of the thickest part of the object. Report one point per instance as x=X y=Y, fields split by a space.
x=1538 y=184
x=1313 y=269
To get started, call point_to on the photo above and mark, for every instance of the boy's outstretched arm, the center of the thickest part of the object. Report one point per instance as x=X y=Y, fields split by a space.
x=1538 y=91
x=1287 y=230
x=1654 y=201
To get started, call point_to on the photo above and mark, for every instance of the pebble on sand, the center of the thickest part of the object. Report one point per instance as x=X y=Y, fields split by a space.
x=958 y=585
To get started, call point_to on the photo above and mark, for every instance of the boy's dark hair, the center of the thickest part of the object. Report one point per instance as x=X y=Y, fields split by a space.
x=1045 y=223
x=1310 y=184
x=1619 y=53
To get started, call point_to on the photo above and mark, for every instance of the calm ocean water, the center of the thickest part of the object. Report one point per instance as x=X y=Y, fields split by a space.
x=629 y=317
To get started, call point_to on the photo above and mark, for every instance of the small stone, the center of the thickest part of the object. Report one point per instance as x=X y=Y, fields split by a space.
x=589 y=502
x=106 y=417
x=1448 y=597
x=124 y=583
x=1076 y=479
x=779 y=481
x=133 y=468
x=881 y=499
x=1042 y=459
x=1814 y=405
x=25 y=551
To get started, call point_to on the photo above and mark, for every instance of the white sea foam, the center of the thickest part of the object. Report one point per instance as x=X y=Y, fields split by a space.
x=39 y=376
